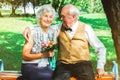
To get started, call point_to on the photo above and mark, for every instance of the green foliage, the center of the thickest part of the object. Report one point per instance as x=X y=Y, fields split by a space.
x=88 y=6
x=98 y=8
x=85 y=6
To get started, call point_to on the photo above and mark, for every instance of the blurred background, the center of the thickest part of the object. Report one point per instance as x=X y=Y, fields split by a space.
x=16 y=15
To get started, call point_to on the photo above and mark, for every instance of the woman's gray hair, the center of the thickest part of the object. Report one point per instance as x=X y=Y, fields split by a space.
x=45 y=8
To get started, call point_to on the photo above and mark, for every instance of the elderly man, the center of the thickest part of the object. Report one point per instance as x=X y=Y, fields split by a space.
x=74 y=40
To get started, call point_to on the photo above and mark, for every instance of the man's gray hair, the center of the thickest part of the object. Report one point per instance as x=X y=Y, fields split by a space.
x=45 y=8
x=73 y=10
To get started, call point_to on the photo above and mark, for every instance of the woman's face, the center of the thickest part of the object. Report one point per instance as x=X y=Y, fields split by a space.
x=46 y=19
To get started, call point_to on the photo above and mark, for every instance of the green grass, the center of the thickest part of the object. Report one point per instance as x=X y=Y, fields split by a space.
x=15 y=25
x=11 y=39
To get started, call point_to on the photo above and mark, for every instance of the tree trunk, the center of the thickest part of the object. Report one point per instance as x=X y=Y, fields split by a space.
x=0 y=14
x=24 y=10
x=33 y=5
x=112 y=10
x=13 y=11
x=24 y=6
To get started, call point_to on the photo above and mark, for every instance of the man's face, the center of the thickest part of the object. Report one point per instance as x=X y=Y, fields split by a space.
x=67 y=19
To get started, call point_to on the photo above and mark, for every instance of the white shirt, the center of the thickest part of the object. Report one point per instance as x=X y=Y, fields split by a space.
x=39 y=37
x=93 y=41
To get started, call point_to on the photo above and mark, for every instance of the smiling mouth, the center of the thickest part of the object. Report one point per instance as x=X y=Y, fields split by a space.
x=48 y=22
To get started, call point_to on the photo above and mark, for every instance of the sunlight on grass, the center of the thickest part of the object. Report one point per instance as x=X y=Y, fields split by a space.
x=94 y=16
x=103 y=32
x=13 y=25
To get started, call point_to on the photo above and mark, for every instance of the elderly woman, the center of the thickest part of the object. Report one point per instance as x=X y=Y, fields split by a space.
x=35 y=65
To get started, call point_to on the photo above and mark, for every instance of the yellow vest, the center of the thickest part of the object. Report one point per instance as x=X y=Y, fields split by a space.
x=73 y=50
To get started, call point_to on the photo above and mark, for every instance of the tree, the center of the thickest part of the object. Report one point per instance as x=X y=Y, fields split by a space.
x=1 y=1
x=0 y=9
x=15 y=4
x=24 y=2
x=112 y=10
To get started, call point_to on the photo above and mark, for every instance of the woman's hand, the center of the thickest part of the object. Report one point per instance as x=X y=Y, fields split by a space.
x=51 y=53
x=48 y=54
x=26 y=33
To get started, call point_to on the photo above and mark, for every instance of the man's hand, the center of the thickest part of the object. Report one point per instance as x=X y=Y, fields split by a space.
x=26 y=33
x=100 y=72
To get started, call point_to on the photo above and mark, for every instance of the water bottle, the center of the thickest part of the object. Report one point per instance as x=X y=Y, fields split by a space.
x=115 y=70
x=1 y=65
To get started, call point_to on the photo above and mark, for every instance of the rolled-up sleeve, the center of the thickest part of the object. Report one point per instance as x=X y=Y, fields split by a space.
x=97 y=45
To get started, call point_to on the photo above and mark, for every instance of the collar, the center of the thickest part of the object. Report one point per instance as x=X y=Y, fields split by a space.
x=75 y=25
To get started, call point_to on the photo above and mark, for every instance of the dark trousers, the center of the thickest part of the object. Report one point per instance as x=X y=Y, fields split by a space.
x=31 y=71
x=81 y=71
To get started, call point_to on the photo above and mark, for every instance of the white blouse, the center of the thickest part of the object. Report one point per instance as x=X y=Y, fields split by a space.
x=39 y=37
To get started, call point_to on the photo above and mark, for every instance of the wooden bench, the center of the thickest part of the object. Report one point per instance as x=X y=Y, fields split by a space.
x=9 y=76
x=13 y=76
x=105 y=77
